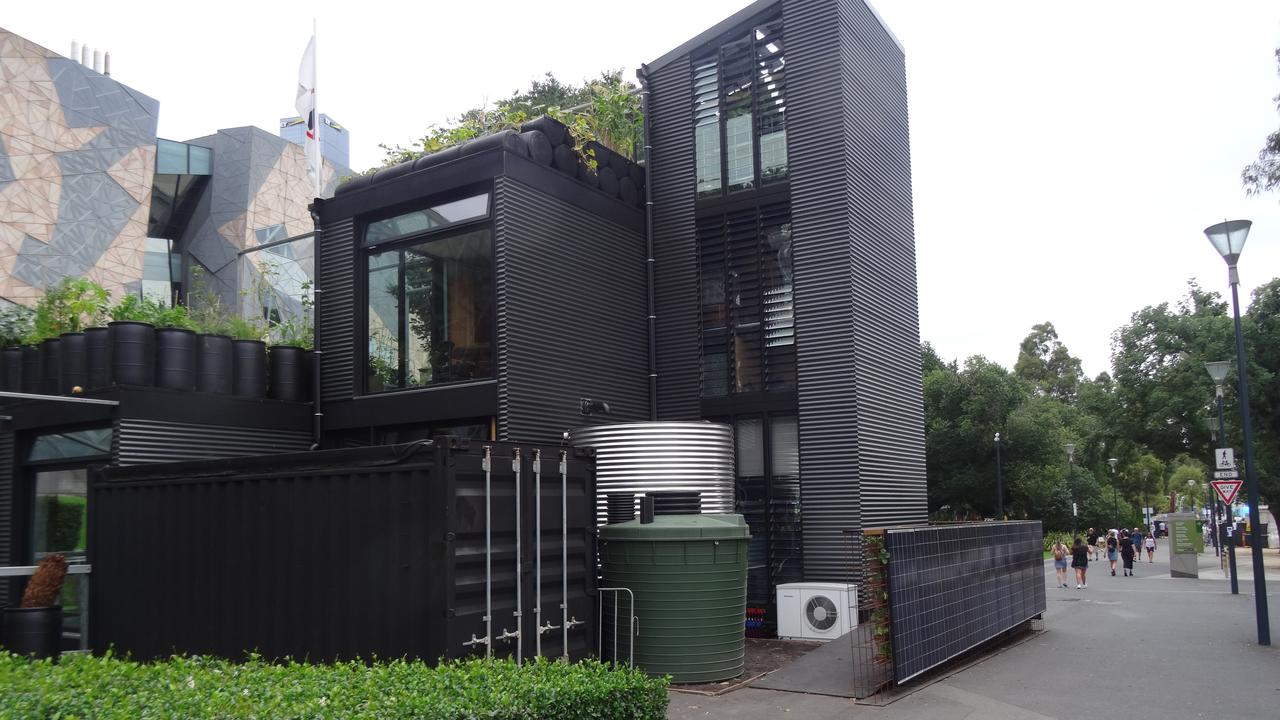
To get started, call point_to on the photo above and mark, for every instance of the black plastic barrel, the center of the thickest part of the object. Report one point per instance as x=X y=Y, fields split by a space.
x=677 y=502
x=250 y=376
x=50 y=365
x=621 y=507
x=33 y=631
x=175 y=358
x=12 y=360
x=215 y=369
x=132 y=348
x=30 y=369
x=288 y=374
x=97 y=358
x=75 y=368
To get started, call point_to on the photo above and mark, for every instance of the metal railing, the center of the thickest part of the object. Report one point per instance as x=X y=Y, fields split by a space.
x=633 y=624
x=82 y=592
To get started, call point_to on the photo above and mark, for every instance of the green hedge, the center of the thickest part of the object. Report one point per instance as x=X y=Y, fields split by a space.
x=86 y=687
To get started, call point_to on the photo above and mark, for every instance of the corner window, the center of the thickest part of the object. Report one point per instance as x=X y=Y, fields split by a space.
x=430 y=310
x=435 y=217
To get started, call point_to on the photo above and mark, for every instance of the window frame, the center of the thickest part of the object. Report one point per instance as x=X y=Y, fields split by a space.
x=364 y=251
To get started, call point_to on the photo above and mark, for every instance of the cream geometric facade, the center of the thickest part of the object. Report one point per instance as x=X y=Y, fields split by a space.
x=77 y=157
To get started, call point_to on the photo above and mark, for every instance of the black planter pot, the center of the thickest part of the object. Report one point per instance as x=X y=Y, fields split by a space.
x=33 y=631
x=30 y=369
x=97 y=358
x=215 y=368
x=75 y=363
x=176 y=358
x=287 y=373
x=11 y=359
x=250 y=358
x=50 y=366
x=131 y=347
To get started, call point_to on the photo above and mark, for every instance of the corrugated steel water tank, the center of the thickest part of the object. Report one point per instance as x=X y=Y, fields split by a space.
x=688 y=574
x=647 y=457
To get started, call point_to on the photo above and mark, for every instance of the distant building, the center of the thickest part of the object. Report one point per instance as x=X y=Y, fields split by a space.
x=335 y=141
x=88 y=190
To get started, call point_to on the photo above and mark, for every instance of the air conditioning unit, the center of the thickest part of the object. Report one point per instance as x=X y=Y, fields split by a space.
x=816 y=611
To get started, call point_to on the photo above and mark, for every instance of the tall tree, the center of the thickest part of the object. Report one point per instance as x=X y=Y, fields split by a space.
x=1045 y=362
x=1263 y=174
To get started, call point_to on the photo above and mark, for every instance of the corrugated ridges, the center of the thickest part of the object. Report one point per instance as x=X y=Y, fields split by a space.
x=671 y=176
x=827 y=391
x=139 y=442
x=6 y=509
x=335 y=309
x=571 y=313
x=891 y=472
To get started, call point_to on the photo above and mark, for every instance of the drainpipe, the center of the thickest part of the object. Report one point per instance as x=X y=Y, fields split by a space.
x=317 y=414
x=643 y=75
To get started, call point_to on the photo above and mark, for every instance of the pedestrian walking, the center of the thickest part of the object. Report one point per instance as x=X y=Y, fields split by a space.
x=1080 y=561
x=1060 y=552
x=1092 y=538
x=1151 y=548
x=1126 y=552
x=1100 y=547
x=1136 y=535
x=1113 y=549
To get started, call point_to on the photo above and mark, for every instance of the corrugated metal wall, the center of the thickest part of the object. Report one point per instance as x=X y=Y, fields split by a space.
x=671 y=176
x=891 y=471
x=861 y=417
x=571 y=315
x=335 y=309
x=140 y=442
x=7 y=514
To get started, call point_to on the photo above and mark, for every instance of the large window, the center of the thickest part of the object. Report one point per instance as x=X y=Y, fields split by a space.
x=739 y=104
x=430 y=298
x=748 y=324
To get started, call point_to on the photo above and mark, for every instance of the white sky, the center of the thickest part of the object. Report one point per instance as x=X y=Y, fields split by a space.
x=1066 y=156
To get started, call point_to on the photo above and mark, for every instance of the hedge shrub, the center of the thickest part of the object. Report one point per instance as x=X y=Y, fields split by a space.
x=109 y=688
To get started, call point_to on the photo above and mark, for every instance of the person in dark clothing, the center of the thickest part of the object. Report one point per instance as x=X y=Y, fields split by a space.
x=1113 y=550
x=1126 y=552
x=1092 y=538
x=1080 y=561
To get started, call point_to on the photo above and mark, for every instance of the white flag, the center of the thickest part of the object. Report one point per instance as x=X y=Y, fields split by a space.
x=305 y=104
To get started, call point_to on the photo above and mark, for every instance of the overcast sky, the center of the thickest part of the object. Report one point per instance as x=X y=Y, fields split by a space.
x=1066 y=156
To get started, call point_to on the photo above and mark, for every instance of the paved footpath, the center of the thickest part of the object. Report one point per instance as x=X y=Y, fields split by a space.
x=1149 y=646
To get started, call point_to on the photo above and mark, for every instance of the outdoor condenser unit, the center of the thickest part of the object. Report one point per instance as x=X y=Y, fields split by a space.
x=816 y=611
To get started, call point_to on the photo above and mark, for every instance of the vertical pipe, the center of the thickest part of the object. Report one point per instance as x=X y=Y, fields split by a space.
x=643 y=75
x=537 y=551
x=1230 y=516
x=106 y=64
x=488 y=552
x=97 y=60
x=519 y=613
x=85 y=55
x=317 y=355
x=564 y=551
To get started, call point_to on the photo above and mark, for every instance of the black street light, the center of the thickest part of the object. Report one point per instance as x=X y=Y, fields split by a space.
x=1218 y=371
x=1228 y=239
x=1071 y=457
x=999 y=482
x=1115 y=505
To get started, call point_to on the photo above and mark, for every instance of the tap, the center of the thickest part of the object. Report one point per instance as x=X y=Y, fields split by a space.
x=542 y=629
x=572 y=622
x=476 y=641
x=508 y=636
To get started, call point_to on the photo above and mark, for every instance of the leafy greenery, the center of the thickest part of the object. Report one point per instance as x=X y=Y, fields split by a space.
x=72 y=305
x=17 y=323
x=145 y=309
x=1263 y=174
x=606 y=110
x=109 y=688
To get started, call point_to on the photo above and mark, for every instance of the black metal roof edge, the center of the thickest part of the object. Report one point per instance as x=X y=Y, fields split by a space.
x=382 y=455
x=756 y=8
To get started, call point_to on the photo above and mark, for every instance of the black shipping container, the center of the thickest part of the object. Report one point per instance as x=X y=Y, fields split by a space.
x=342 y=554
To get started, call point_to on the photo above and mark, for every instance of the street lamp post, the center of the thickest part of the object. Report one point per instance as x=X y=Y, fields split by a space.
x=999 y=482
x=1115 y=505
x=1218 y=371
x=1071 y=456
x=1213 y=495
x=1228 y=239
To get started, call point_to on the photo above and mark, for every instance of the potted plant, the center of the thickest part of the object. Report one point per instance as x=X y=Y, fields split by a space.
x=35 y=626
x=16 y=325
x=175 y=348
x=131 y=342
x=287 y=357
x=60 y=315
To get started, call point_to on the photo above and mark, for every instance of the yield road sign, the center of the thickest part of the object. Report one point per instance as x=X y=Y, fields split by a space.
x=1225 y=474
x=1226 y=489
x=1225 y=458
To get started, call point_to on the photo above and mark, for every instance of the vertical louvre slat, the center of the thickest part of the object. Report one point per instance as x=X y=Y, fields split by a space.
x=672 y=178
x=7 y=514
x=336 y=309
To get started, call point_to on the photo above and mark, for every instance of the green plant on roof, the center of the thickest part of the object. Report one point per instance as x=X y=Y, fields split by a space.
x=17 y=324
x=70 y=306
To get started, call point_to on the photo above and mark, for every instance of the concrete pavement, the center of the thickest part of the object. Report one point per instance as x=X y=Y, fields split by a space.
x=1149 y=646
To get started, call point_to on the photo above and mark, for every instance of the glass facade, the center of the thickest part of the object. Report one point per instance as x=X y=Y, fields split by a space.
x=277 y=282
x=430 y=311
x=60 y=522
x=435 y=217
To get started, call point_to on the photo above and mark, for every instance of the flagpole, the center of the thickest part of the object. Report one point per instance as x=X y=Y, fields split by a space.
x=319 y=157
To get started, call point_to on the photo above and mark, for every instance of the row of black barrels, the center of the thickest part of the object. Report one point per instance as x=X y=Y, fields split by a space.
x=546 y=142
x=138 y=354
x=621 y=507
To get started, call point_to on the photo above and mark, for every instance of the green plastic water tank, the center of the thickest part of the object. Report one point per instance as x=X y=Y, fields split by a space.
x=689 y=577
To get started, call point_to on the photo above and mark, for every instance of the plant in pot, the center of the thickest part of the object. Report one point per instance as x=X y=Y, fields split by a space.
x=131 y=340
x=35 y=626
x=292 y=338
x=16 y=325
x=61 y=316
x=175 y=348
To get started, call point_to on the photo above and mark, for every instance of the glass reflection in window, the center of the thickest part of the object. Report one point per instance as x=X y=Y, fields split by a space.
x=60 y=521
x=432 y=218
